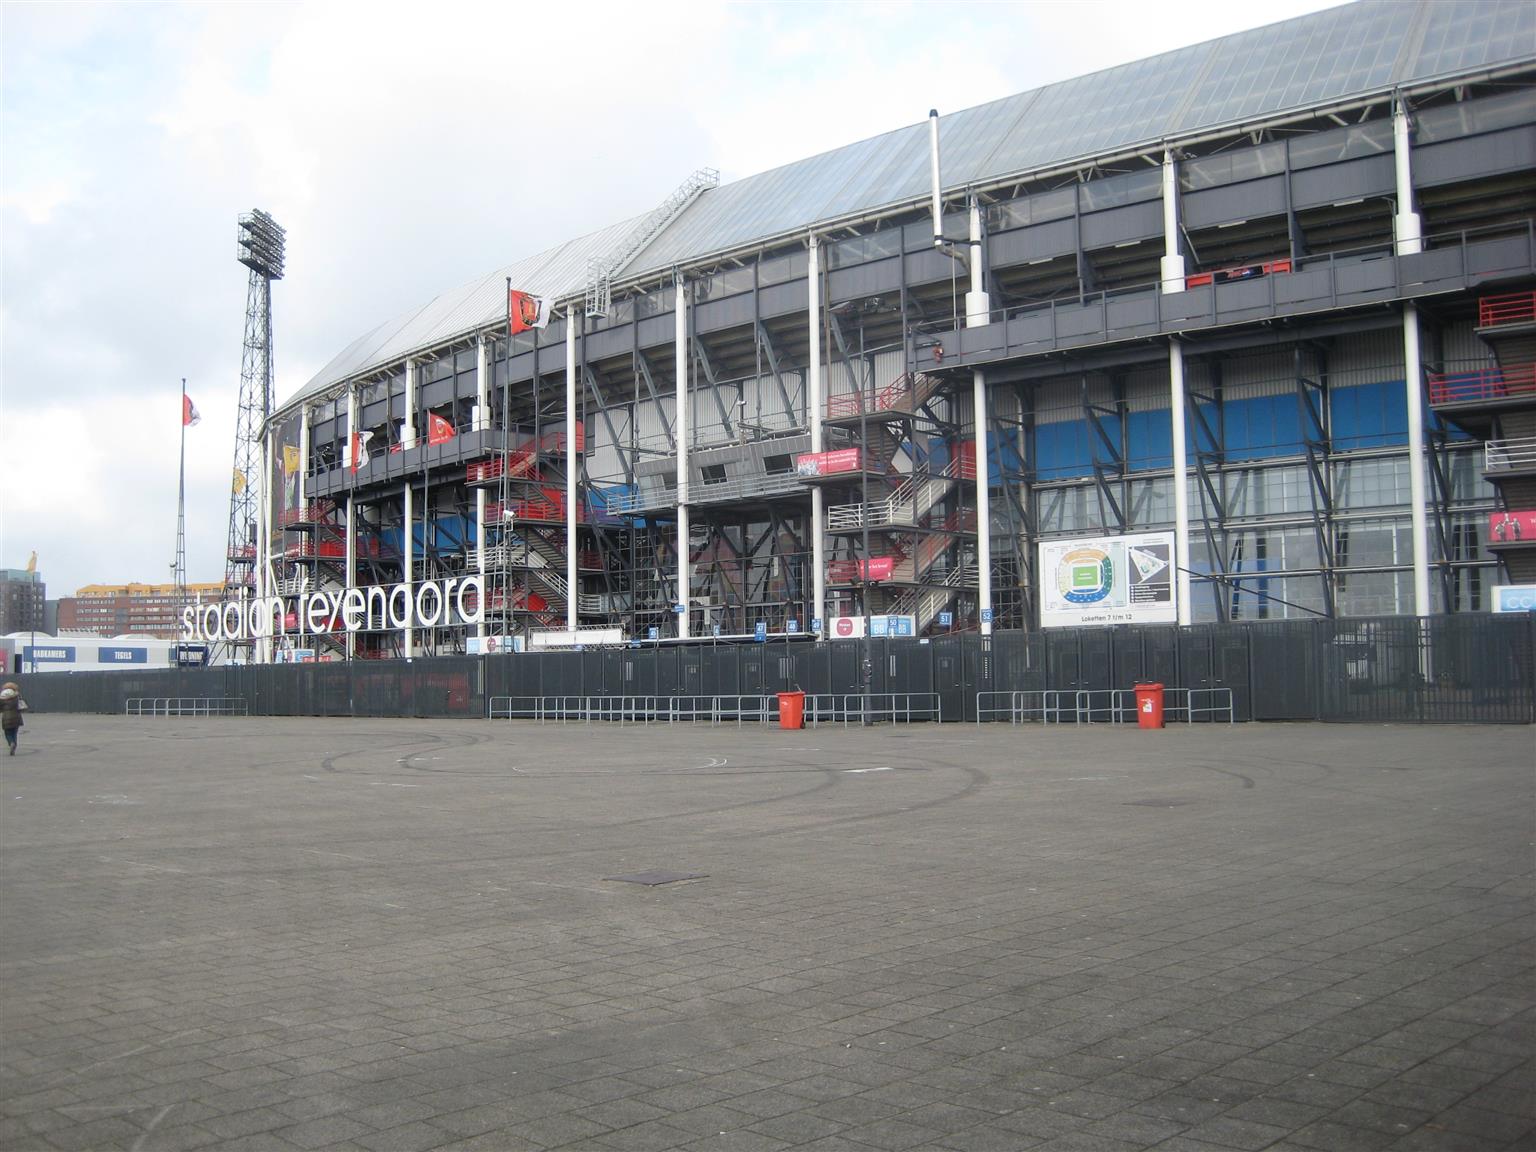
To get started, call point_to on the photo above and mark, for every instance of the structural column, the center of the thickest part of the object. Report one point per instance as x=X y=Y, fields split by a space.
x=1409 y=241
x=351 y=545
x=408 y=545
x=680 y=352
x=1180 y=481
x=408 y=428
x=1173 y=281
x=482 y=418
x=480 y=560
x=262 y=648
x=814 y=414
x=978 y=312
x=1413 y=373
x=572 y=419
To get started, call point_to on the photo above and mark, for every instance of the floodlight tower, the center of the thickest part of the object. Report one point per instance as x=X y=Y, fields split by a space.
x=259 y=248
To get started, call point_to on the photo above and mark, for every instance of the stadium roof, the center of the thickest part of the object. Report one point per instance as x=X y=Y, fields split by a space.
x=1327 y=57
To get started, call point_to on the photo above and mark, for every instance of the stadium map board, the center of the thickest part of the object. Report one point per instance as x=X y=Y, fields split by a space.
x=1107 y=580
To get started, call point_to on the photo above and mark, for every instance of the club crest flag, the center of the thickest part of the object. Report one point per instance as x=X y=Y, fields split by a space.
x=237 y=482
x=525 y=311
x=290 y=459
x=439 y=431
x=189 y=413
x=360 y=449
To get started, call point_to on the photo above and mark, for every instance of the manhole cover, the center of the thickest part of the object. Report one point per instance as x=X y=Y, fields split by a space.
x=652 y=879
x=1176 y=802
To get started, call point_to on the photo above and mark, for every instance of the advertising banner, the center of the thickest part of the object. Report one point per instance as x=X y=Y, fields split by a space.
x=852 y=627
x=1514 y=598
x=1512 y=527
x=1107 y=580
x=122 y=655
x=827 y=463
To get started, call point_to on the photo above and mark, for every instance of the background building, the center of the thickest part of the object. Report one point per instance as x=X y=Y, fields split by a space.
x=1271 y=296
x=23 y=597
x=141 y=610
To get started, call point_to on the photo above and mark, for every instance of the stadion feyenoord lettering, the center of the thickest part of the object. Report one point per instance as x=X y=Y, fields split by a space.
x=421 y=604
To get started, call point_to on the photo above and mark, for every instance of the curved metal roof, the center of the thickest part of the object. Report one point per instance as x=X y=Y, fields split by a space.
x=1322 y=58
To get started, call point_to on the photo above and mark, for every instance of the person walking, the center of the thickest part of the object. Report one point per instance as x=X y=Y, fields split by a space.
x=11 y=708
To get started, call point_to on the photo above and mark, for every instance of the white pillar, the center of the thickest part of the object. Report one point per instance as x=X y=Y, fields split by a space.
x=351 y=546
x=572 y=419
x=1416 y=483
x=303 y=481
x=1180 y=481
x=680 y=352
x=262 y=649
x=816 y=410
x=978 y=309
x=352 y=565
x=480 y=559
x=409 y=553
x=1405 y=225
x=1173 y=257
x=482 y=384
x=408 y=429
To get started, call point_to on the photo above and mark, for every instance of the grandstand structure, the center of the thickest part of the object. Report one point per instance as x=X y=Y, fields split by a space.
x=1272 y=293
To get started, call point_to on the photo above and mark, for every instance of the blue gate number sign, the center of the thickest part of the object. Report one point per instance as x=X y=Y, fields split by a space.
x=946 y=619
x=986 y=615
x=653 y=633
x=760 y=633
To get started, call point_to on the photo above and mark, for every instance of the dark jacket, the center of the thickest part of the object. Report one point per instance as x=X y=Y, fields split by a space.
x=10 y=711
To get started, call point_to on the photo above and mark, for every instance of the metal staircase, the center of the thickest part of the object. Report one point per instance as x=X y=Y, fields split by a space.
x=601 y=270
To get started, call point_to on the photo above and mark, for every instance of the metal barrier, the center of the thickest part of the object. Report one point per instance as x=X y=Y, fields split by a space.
x=1118 y=705
x=1017 y=707
x=720 y=709
x=186 y=706
x=897 y=707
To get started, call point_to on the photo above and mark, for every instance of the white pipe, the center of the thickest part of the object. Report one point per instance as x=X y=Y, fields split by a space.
x=409 y=543
x=1180 y=481
x=482 y=383
x=408 y=428
x=262 y=652
x=680 y=367
x=572 y=420
x=1405 y=224
x=933 y=171
x=1173 y=257
x=480 y=560
x=1413 y=370
x=302 y=486
x=978 y=313
x=816 y=411
x=351 y=564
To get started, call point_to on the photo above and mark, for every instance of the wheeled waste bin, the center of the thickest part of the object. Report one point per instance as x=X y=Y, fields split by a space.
x=791 y=709
x=1149 y=705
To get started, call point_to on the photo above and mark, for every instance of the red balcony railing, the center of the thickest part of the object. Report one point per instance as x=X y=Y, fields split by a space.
x=1482 y=384
x=1510 y=308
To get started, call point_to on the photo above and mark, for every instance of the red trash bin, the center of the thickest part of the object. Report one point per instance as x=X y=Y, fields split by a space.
x=1149 y=705
x=791 y=709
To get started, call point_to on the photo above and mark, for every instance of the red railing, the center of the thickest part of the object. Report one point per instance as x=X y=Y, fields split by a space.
x=519 y=461
x=1511 y=308
x=549 y=506
x=312 y=513
x=1482 y=384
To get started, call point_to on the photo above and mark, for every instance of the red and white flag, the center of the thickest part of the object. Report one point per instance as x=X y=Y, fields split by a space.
x=525 y=311
x=189 y=413
x=360 y=449
x=439 y=431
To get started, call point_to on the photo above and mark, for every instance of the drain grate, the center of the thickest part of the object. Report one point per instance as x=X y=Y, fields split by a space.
x=652 y=879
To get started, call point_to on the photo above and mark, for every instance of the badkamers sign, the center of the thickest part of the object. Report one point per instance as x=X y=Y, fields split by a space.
x=421 y=604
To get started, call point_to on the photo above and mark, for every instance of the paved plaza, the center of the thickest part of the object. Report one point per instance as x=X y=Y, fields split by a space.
x=396 y=936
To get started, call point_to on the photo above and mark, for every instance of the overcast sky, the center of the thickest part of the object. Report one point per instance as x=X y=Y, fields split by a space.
x=406 y=148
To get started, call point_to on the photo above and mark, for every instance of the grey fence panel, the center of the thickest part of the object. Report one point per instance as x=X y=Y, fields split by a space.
x=1283 y=668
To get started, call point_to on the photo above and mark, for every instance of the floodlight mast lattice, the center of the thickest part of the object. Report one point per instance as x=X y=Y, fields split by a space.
x=260 y=247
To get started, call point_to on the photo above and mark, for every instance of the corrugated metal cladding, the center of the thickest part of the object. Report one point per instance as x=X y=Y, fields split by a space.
x=1324 y=57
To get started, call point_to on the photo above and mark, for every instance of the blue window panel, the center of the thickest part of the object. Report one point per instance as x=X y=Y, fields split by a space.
x=1370 y=416
x=1263 y=426
x=1061 y=450
x=1150 y=438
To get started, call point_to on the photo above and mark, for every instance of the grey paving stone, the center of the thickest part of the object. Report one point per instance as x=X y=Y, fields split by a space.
x=278 y=950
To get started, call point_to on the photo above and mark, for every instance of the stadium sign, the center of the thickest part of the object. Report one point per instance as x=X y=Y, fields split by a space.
x=421 y=604
x=1107 y=580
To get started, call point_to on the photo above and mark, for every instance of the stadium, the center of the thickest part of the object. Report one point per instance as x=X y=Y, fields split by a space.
x=1237 y=293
